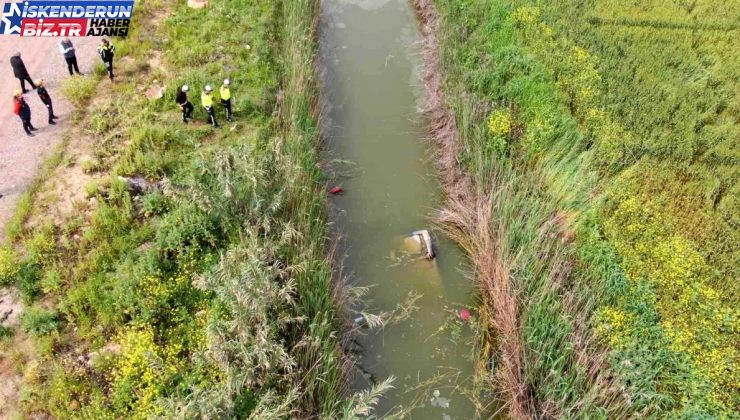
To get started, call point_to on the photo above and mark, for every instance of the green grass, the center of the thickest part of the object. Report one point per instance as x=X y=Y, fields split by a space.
x=39 y=321
x=6 y=333
x=630 y=151
x=79 y=90
x=24 y=206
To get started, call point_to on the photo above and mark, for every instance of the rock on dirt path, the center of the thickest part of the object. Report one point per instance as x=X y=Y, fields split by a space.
x=22 y=156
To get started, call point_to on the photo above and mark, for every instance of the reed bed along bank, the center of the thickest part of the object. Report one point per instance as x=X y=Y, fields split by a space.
x=544 y=195
x=467 y=216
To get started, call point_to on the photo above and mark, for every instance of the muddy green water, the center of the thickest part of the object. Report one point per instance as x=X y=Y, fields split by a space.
x=371 y=92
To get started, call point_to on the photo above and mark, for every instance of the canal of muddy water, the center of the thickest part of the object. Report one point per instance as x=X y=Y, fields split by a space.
x=371 y=92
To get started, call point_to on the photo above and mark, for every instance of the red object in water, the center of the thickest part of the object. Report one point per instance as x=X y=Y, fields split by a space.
x=464 y=314
x=336 y=190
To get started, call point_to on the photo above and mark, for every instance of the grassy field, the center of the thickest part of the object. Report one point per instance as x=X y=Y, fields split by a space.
x=207 y=293
x=604 y=138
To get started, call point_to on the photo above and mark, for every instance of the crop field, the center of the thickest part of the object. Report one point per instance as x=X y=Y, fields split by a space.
x=623 y=120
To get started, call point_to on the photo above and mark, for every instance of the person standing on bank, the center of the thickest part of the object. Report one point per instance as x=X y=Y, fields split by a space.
x=22 y=110
x=20 y=72
x=68 y=49
x=206 y=99
x=107 y=51
x=46 y=99
x=226 y=98
x=182 y=100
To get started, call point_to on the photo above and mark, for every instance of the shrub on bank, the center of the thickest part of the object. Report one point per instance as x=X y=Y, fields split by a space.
x=79 y=90
x=39 y=321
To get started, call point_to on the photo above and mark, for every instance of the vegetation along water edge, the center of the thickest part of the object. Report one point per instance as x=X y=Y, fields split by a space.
x=593 y=178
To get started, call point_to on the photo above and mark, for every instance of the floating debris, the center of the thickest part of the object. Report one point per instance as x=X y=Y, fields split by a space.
x=415 y=251
x=438 y=401
x=426 y=240
x=336 y=190
x=419 y=243
x=360 y=321
x=464 y=314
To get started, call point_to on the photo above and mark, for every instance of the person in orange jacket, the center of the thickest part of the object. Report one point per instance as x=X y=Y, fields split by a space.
x=23 y=111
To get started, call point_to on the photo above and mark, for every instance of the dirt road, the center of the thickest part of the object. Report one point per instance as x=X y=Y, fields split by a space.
x=21 y=156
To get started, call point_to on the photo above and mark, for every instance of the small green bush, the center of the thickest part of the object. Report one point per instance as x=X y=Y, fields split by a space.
x=153 y=204
x=42 y=246
x=89 y=166
x=101 y=122
x=99 y=70
x=93 y=188
x=27 y=281
x=79 y=90
x=39 y=321
x=51 y=281
x=244 y=404
x=5 y=332
x=23 y=208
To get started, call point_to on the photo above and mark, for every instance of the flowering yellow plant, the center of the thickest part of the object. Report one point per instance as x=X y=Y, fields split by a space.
x=500 y=122
x=8 y=264
x=612 y=325
x=696 y=321
x=140 y=364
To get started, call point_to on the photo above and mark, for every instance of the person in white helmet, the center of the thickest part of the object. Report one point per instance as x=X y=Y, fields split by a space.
x=206 y=99
x=226 y=98
x=182 y=101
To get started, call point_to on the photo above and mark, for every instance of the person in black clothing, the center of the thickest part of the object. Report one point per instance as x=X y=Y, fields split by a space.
x=68 y=49
x=107 y=51
x=19 y=69
x=184 y=103
x=22 y=110
x=46 y=99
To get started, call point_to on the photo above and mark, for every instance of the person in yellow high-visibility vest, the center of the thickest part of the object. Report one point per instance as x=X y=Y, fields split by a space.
x=226 y=98
x=206 y=99
x=107 y=51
